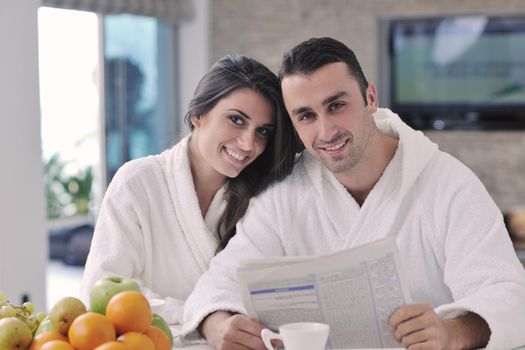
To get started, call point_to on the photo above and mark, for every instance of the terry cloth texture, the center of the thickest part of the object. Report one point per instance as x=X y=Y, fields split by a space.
x=150 y=228
x=450 y=234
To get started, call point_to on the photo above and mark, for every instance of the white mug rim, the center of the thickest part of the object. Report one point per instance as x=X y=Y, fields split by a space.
x=298 y=327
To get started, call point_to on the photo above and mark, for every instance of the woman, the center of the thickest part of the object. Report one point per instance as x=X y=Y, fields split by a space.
x=165 y=216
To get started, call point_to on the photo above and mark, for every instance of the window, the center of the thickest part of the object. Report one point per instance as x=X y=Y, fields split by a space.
x=139 y=88
x=97 y=116
x=109 y=93
x=69 y=98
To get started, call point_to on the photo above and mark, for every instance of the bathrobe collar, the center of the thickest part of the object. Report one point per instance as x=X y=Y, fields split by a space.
x=375 y=218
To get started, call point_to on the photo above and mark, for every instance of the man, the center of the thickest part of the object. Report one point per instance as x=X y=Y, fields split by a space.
x=366 y=175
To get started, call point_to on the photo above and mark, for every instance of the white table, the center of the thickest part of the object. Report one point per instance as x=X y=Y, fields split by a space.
x=195 y=347
x=176 y=330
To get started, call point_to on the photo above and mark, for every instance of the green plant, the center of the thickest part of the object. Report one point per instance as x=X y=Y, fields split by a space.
x=67 y=195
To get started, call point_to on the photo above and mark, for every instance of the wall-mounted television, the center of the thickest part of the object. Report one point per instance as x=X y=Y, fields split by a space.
x=461 y=72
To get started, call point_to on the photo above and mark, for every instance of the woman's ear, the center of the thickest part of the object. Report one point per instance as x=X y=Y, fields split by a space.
x=196 y=121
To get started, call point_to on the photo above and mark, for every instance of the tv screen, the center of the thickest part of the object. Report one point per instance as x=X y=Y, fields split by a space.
x=466 y=71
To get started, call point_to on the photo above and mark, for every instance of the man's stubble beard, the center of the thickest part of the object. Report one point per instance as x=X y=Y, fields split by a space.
x=351 y=160
x=345 y=163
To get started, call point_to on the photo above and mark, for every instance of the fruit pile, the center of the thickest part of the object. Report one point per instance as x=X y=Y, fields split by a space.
x=17 y=323
x=119 y=318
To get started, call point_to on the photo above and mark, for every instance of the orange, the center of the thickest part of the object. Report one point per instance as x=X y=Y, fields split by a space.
x=159 y=338
x=89 y=330
x=136 y=341
x=45 y=337
x=112 y=345
x=129 y=311
x=57 y=345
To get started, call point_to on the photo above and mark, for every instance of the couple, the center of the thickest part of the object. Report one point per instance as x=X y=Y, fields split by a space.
x=364 y=175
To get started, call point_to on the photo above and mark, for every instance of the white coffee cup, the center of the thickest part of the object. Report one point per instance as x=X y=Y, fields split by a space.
x=298 y=336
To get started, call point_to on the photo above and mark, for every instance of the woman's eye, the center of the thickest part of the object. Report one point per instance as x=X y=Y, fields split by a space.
x=236 y=120
x=264 y=132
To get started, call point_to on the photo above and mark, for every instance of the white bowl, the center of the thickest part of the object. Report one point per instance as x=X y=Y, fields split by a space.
x=156 y=304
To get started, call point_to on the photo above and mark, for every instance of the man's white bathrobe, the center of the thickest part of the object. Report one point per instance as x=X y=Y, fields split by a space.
x=150 y=228
x=450 y=234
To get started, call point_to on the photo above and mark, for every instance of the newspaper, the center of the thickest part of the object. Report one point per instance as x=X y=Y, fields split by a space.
x=354 y=290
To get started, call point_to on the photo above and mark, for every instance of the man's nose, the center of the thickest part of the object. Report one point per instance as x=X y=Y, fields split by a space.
x=327 y=128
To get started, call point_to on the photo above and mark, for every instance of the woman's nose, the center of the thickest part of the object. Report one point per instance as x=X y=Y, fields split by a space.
x=247 y=140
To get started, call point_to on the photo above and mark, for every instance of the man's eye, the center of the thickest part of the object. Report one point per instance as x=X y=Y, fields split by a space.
x=306 y=116
x=236 y=120
x=335 y=106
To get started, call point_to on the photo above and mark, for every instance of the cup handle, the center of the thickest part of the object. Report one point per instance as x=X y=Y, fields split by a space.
x=267 y=336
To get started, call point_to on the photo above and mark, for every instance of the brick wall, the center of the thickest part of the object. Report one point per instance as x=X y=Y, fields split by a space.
x=264 y=29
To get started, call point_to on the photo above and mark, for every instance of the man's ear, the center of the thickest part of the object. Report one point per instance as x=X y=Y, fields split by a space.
x=371 y=96
x=196 y=121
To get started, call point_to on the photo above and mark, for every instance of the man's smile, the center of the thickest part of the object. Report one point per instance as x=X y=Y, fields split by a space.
x=334 y=147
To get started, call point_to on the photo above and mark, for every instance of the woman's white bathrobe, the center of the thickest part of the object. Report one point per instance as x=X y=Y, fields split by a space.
x=151 y=228
x=450 y=234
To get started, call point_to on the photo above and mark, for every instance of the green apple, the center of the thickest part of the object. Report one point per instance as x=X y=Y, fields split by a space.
x=105 y=288
x=64 y=312
x=45 y=326
x=14 y=334
x=158 y=321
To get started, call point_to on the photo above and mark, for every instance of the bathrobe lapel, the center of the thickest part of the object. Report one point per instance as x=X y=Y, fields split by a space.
x=339 y=206
x=383 y=209
x=198 y=232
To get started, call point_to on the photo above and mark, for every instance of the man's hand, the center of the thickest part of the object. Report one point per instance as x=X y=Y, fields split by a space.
x=224 y=331
x=418 y=327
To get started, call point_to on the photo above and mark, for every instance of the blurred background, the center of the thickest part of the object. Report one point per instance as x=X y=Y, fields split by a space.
x=88 y=86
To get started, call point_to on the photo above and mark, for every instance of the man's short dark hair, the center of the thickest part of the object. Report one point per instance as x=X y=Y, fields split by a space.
x=314 y=53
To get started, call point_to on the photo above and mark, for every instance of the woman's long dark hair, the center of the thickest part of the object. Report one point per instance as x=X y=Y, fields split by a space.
x=230 y=73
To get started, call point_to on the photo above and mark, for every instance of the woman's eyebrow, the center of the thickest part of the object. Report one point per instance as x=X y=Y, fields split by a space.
x=269 y=125
x=240 y=112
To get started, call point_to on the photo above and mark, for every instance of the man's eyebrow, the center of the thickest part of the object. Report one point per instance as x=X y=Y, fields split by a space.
x=300 y=110
x=326 y=101
x=334 y=97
